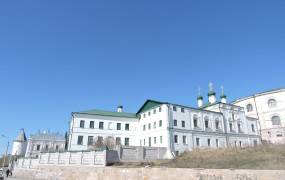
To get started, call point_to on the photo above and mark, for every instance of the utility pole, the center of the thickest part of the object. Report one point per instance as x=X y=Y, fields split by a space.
x=4 y=159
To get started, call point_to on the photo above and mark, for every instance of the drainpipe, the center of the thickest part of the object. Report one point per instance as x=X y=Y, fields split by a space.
x=225 y=126
x=170 y=128
x=257 y=117
x=71 y=125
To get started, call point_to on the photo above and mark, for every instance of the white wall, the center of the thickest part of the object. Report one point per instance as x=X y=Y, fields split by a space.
x=19 y=148
x=265 y=113
x=110 y=129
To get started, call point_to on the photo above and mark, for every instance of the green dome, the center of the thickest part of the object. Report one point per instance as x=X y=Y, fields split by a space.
x=200 y=98
x=223 y=96
x=211 y=93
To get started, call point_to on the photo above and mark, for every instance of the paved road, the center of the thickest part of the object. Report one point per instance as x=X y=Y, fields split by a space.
x=13 y=178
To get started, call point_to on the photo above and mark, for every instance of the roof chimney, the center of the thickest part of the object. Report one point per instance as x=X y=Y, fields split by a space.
x=120 y=108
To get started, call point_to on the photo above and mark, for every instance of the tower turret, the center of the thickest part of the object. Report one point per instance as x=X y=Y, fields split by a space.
x=20 y=144
x=199 y=98
x=223 y=95
x=211 y=94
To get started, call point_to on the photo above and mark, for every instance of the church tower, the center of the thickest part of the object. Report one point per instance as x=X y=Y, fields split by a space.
x=20 y=144
x=199 y=99
x=223 y=96
x=211 y=94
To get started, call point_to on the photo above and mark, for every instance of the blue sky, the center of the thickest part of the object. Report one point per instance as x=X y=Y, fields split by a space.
x=57 y=57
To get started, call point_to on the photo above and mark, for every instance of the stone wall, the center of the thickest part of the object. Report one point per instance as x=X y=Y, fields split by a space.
x=110 y=173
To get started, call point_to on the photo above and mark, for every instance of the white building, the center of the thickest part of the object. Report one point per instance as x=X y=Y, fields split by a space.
x=162 y=124
x=269 y=108
x=37 y=143
x=44 y=142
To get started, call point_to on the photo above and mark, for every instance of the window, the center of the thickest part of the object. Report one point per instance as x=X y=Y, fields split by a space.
x=100 y=139
x=159 y=109
x=154 y=125
x=182 y=110
x=57 y=147
x=206 y=123
x=154 y=111
x=118 y=126
x=249 y=107
x=183 y=124
x=233 y=116
x=252 y=128
x=46 y=147
x=90 y=140
x=154 y=140
x=144 y=127
x=217 y=143
x=144 y=142
x=195 y=121
x=231 y=127
x=149 y=126
x=91 y=124
x=175 y=122
x=217 y=124
x=239 y=128
x=276 y=120
x=110 y=125
x=149 y=113
x=160 y=123
x=175 y=139
x=144 y=115
x=38 y=147
x=271 y=103
x=240 y=144
x=176 y=153
x=127 y=127
x=209 y=142
x=184 y=139
x=254 y=143
x=82 y=123
x=101 y=125
x=80 y=140
x=118 y=141
x=174 y=108
x=197 y=142
x=160 y=139
x=127 y=141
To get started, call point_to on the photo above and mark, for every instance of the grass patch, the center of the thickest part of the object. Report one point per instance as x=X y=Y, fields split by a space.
x=261 y=157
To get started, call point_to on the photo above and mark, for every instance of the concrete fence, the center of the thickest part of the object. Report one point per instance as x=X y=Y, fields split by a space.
x=138 y=153
x=82 y=158
x=93 y=158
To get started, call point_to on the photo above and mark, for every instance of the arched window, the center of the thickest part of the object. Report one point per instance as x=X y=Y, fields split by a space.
x=217 y=123
x=276 y=120
x=271 y=103
x=195 y=121
x=249 y=107
x=206 y=122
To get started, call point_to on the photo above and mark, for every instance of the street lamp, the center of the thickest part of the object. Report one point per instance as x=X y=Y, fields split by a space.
x=4 y=158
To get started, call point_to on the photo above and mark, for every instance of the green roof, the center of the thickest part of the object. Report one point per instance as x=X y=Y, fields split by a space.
x=149 y=104
x=108 y=113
